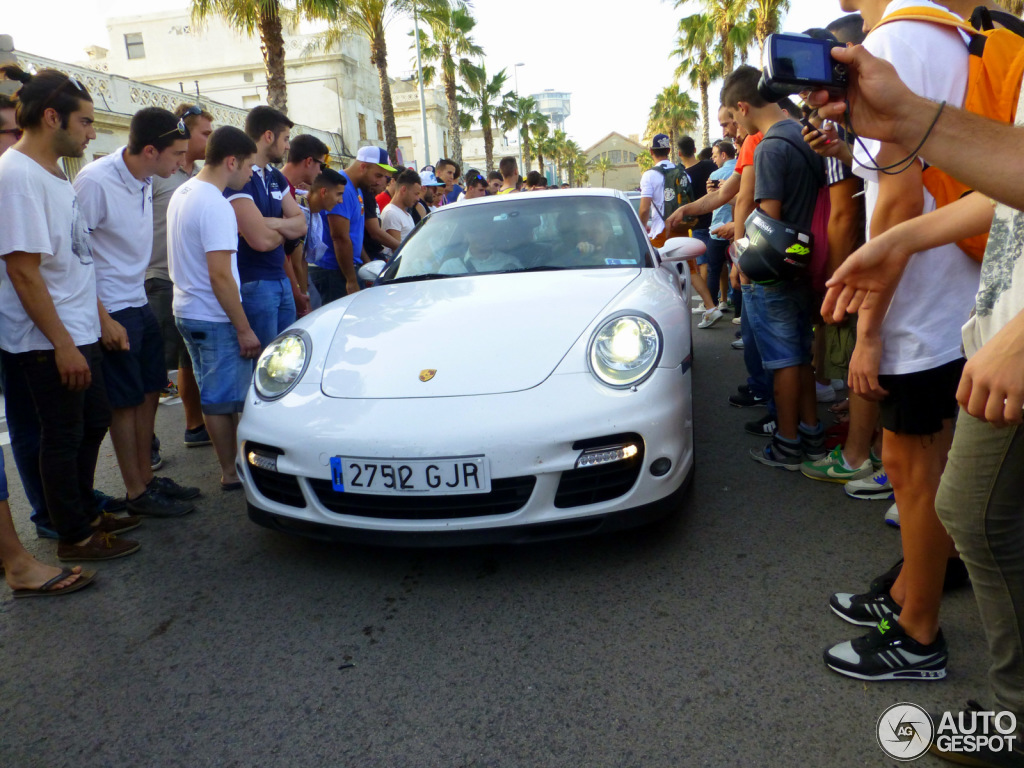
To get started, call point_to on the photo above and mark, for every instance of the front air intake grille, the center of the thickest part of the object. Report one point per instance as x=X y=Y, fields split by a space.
x=284 y=489
x=507 y=495
x=604 y=482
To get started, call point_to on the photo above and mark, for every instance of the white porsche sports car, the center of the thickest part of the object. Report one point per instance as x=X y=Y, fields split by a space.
x=519 y=371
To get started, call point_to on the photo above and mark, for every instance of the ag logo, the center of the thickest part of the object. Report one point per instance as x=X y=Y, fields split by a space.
x=427 y=374
x=905 y=731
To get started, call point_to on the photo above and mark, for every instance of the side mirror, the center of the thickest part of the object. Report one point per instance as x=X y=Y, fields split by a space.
x=681 y=249
x=370 y=271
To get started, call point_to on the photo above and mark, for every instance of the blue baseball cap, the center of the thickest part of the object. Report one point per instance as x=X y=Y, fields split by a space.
x=661 y=141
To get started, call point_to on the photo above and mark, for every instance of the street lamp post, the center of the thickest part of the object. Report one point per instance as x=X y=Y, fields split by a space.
x=521 y=137
x=419 y=76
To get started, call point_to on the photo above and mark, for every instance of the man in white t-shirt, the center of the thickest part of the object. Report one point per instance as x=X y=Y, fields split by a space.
x=395 y=218
x=202 y=242
x=116 y=197
x=908 y=357
x=652 y=188
x=49 y=324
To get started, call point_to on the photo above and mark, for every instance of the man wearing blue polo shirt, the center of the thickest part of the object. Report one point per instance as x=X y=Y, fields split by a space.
x=334 y=273
x=267 y=217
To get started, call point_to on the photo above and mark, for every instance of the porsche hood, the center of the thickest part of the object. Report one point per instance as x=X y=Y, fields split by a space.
x=476 y=335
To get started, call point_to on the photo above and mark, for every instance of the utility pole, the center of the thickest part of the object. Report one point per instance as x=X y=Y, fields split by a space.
x=419 y=76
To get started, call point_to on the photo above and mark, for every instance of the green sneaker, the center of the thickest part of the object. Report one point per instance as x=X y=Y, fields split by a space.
x=832 y=468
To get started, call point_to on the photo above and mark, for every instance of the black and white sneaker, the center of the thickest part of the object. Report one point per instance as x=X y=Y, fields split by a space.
x=888 y=653
x=763 y=427
x=864 y=610
x=747 y=401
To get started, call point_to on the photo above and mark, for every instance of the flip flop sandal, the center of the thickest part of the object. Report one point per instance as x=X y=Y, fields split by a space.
x=85 y=578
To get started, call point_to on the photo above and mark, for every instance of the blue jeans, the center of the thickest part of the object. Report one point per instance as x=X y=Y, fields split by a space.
x=269 y=306
x=717 y=254
x=222 y=374
x=759 y=380
x=704 y=235
x=781 y=318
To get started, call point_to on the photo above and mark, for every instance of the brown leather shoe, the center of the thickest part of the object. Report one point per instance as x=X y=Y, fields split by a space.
x=110 y=523
x=102 y=546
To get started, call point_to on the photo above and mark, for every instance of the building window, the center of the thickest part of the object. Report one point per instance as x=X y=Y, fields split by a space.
x=247 y=77
x=380 y=131
x=362 y=128
x=133 y=44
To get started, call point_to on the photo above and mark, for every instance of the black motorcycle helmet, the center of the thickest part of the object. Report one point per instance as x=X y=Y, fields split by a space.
x=776 y=252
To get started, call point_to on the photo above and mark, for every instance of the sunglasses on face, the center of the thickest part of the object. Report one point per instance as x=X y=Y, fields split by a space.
x=71 y=80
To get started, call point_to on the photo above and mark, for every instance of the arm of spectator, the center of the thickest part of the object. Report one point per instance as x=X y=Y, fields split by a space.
x=113 y=335
x=300 y=296
x=222 y=281
x=395 y=235
x=259 y=232
x=707 y=204
x=339 y=227
x=645 y=211
x=744 y=204
x=992 y=384
x=877 y=266
x=301 y=271
x=293 y=222
x=27 y=281
x=725 y=231
x=845 y=228
x=826 y=143
x=382 y=236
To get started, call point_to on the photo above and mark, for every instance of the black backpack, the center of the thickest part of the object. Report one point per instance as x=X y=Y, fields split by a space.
x=678 y=192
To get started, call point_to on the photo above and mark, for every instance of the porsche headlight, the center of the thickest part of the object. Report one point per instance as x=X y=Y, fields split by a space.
x=281 y=365
x=625 y=350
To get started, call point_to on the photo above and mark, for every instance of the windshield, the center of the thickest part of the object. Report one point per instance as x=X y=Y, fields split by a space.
x=523 y=233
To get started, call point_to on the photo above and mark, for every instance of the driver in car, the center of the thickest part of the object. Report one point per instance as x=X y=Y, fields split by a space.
x=483 y=254
x=593 y=245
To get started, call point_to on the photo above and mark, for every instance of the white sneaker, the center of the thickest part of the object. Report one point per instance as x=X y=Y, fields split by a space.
x=723 y=305
x=838 y=385
x=736 y=321
x=892 y=516
x=825 y=393
x=738 y=344
x=711 y=317
x=699 y=309
x=875 y=487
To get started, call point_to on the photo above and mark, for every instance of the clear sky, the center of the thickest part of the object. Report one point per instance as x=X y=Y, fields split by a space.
x=614 y=57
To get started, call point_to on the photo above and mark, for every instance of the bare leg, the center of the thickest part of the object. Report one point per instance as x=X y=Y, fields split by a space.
x=863 y=420
x=188 y=391
x=124 y=436
x=222 y=429
x=914 y=464
x=700 y=285
x=794 y=399
x=21 y=570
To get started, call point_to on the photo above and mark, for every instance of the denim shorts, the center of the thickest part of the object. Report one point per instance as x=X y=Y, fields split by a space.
x=704 y=235
x=222 y=374
x=781 y=317
x=269 y=306
x=131 y=375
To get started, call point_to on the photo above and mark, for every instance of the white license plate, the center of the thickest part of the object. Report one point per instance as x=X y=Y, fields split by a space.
x=441 y=477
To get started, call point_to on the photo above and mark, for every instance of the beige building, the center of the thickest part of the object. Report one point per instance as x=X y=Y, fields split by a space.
x=116 y=99
x=622 y=151
x=336 y=90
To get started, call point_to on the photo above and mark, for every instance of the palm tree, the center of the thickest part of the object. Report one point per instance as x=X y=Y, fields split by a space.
x=483 y=98
x=644 y=161
x=575 y=161
x=674 y=112
x=451 y=23
x=602 y=165
x=1016 y=7
x=766 y=16
x=264 y=16
x=699 y=64
x=370 y=18
x=522 y=114
x=729 y=20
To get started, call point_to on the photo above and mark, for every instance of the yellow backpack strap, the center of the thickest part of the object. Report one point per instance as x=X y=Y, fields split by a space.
x=926 y=14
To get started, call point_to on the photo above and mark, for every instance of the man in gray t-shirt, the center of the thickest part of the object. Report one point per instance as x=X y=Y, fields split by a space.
x=785 y=188
x=160 y=289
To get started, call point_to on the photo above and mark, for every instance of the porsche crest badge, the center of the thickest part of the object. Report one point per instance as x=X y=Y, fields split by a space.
x=427 y=374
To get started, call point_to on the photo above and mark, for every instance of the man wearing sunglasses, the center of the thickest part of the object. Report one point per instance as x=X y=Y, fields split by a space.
x=268 y=216
x=116 y=195
x=160 y=289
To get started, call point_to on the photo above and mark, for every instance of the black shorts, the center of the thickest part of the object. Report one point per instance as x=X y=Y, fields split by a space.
x=131 y=375
x=160 y=293
x=919 y=402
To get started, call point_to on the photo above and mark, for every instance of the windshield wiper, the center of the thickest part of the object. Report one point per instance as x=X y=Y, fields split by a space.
x=417 y=278
x=539 y=269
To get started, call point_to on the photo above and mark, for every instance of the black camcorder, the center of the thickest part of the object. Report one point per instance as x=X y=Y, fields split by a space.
x=798 y=63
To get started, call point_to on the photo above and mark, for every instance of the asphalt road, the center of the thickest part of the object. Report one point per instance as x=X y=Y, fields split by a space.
x=691 y=644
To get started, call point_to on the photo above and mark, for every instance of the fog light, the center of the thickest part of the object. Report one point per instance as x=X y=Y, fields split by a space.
x=661 y=466
x=608 y=455
x=262 y=460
